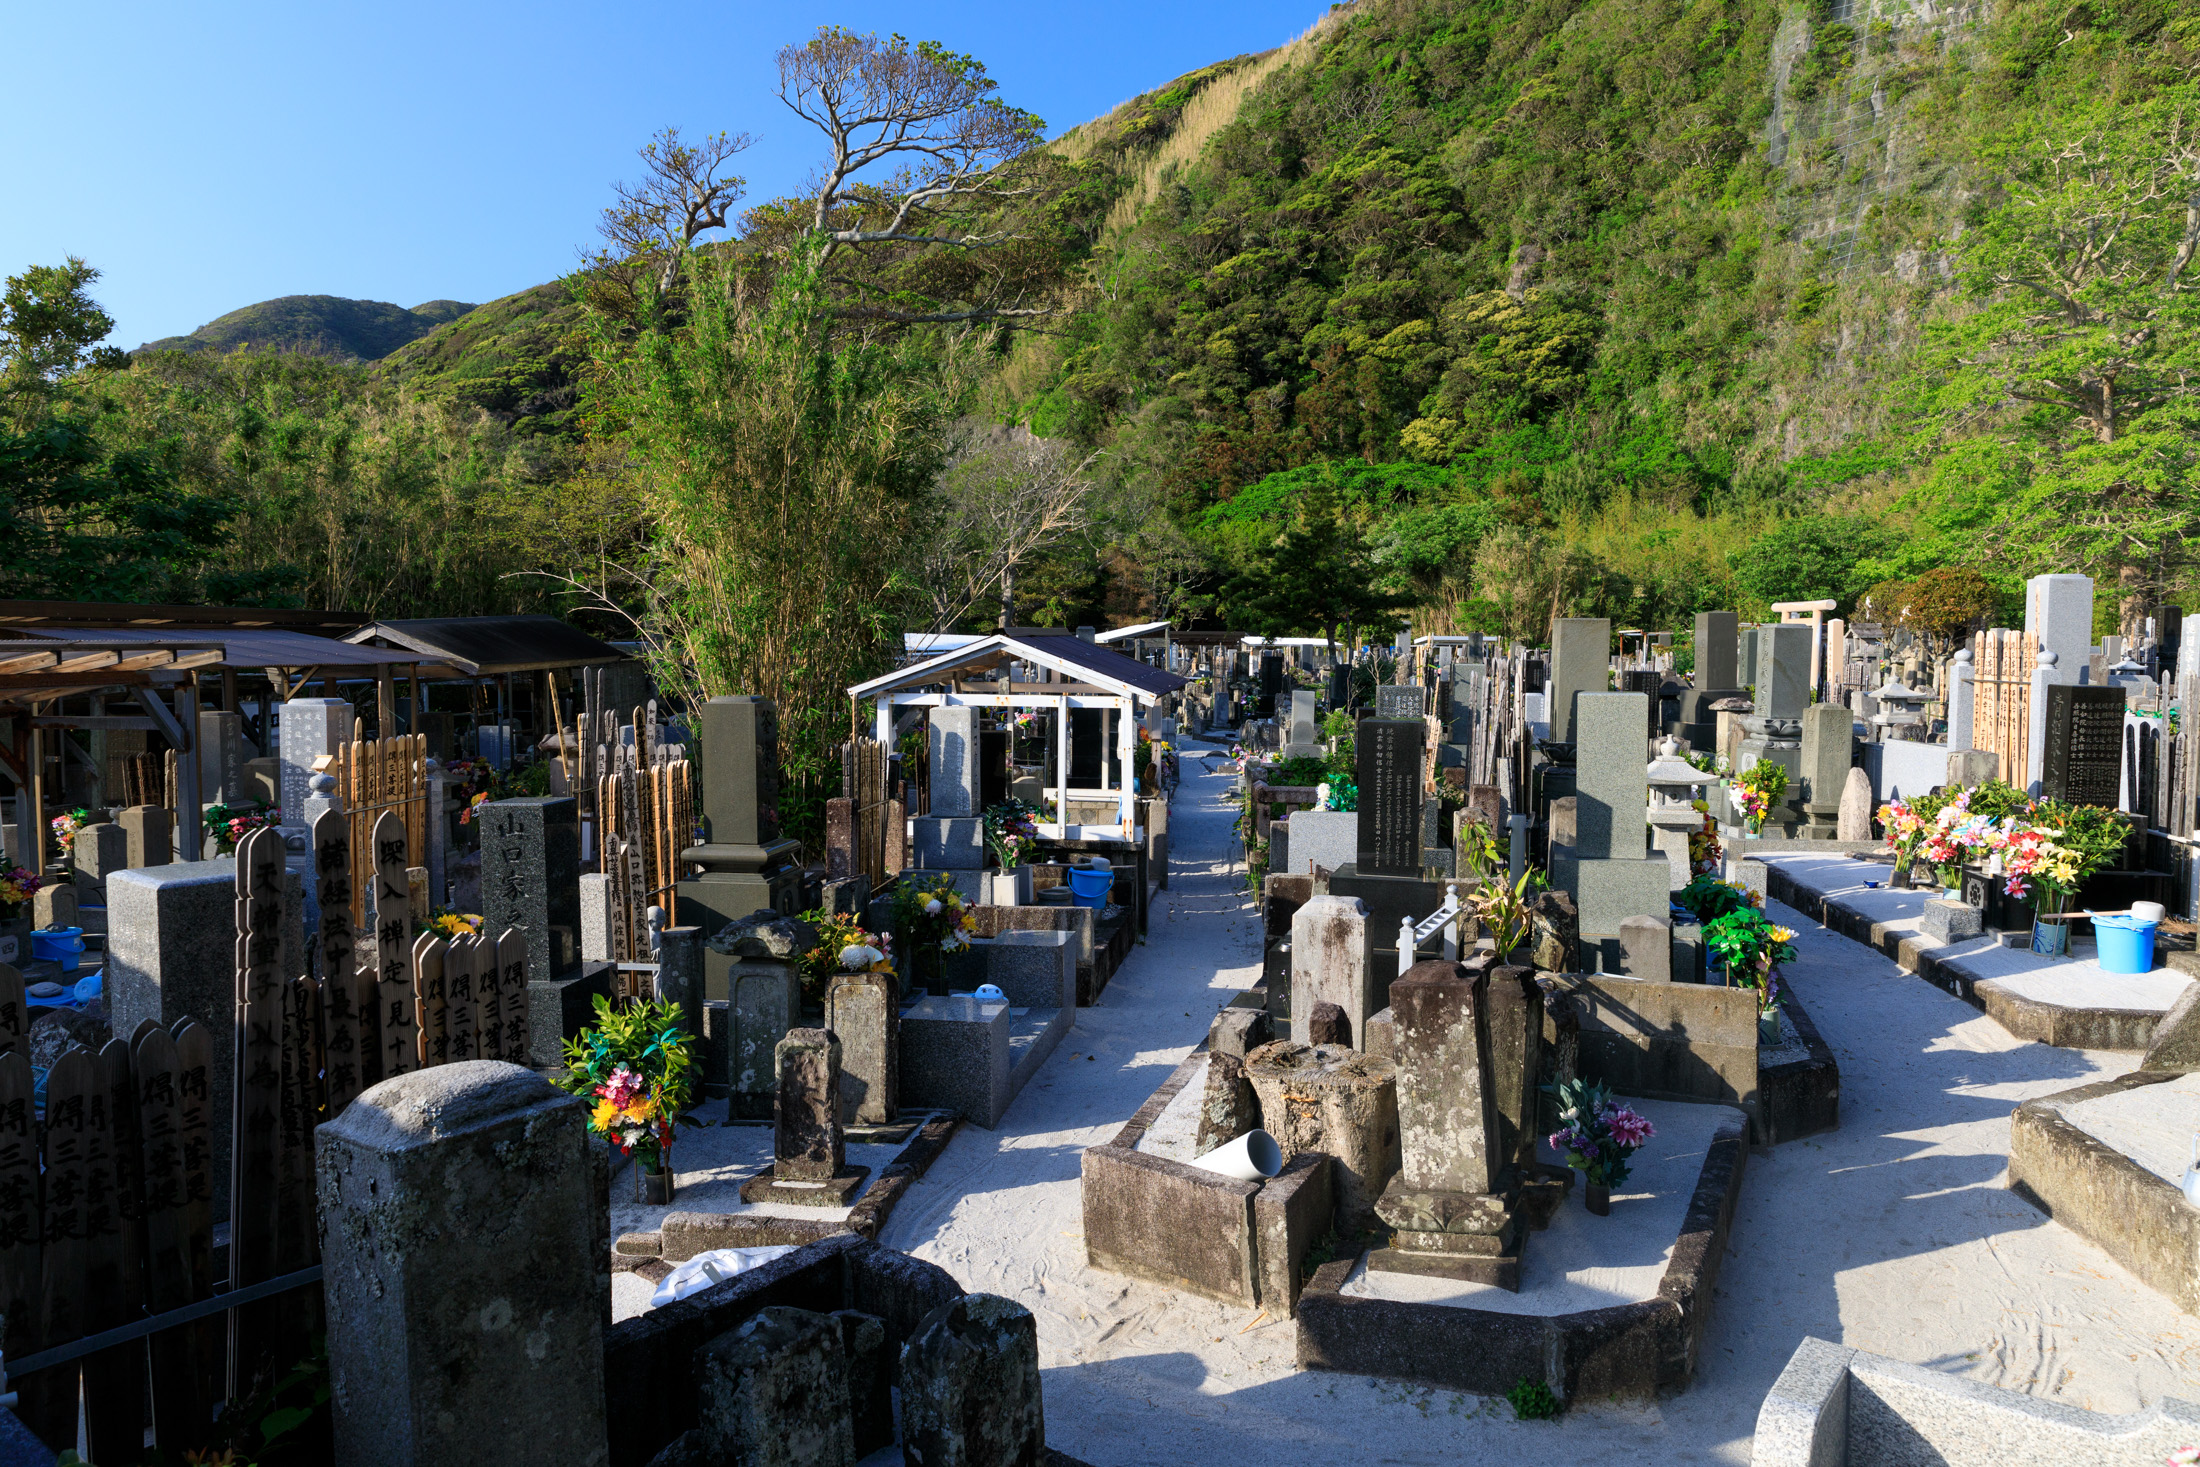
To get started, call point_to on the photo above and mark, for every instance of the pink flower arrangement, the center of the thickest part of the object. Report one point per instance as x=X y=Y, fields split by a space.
x=1597 y=1133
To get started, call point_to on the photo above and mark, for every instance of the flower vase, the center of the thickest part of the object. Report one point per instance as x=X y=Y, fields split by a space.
x=1768 y=1027
x=653 y=1184
x=1597 y=1197
x=2051 y=935
x=924 y=970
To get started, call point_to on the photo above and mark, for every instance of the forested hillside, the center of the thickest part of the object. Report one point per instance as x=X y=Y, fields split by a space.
x=317 y=326
x=1636 y=307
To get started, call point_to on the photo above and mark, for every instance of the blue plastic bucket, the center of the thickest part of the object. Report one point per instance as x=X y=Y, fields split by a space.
x=2123 y=944
x=63 y=945
x=1090 y=885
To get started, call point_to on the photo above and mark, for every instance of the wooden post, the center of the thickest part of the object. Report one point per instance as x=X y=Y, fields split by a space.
x=431 y=967
x=489 y=1003
x=462 y=1005
x=49 y=1399
x=511 y=956
x=256 y=1136
x=19 y=1211
x=114 y=1379
x=400 y=1038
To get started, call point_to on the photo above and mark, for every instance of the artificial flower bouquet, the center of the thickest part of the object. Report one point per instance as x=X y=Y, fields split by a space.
x=1756 y=790
x=1011 y=833
x=1706 y=852
x=2050 y=851
x=637 y=1066
x=1597 y=1134
x=1337 y=793
x=1751 y=948
x=844 y=945
x=447 y=924
x=17 y=886
x=229 y=824
x=65 y=828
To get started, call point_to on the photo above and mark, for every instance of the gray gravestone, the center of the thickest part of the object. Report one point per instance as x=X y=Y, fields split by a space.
x=1783 y=670
x=1716 y=650
x=465 y=1231
x=1611 y=790
x=310 y=728
x=970 y=1385
x=1389 y=758
x=149 y=835
x=860 y=1009
x=747 y=866
x=774 y=1392
x=2059 y=611
x=2081 y=761
x=531 y=881
x=1581 y=650
x=1828 y=734
x=1303 y=735
x=953 y=752
x=221 y=758
x=100 y=851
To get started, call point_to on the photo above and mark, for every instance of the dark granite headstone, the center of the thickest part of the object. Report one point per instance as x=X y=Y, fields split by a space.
x=1389 y=752
x=2081 y=760
x=1649 y=682
x=530 y=879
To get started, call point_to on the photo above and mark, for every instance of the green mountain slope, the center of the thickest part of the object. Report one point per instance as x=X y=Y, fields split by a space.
x=1637 y=278
x=508 y=357
x=319 y=326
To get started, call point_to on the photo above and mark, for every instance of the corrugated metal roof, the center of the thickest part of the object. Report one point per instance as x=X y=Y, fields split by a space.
x=492 y=644
x=242 y=647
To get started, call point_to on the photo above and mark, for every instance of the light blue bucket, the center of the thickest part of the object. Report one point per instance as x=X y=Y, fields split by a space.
x=2123 y=944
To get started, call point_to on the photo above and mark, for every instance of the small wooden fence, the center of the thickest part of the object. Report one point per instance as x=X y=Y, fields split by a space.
x=374 y=776
x=2002 y=662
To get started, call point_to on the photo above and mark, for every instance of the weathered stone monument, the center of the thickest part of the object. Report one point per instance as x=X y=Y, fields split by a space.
x=1466 y=1049
x=1329 y=965
x=530 y=881
x=466 y=1242
x=747 y=866
x=1829 y=733
x=1302 y=736
x=809 y=1150
x=860 y=1009
x=970 y=1391
x=1581 y=650
x=952 y=836
x=756 y=958
x=149 y=837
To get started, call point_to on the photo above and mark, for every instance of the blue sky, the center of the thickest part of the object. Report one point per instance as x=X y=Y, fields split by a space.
x=208 y=156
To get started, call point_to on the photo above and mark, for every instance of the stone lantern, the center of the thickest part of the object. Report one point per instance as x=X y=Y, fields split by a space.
x=1673 y=815
x=1901 y=711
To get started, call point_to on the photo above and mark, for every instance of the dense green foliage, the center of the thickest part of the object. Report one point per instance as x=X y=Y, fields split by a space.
x=1565 y=285
x=317 y=326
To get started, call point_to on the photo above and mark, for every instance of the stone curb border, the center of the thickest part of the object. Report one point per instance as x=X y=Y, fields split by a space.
x=2060 y=1025
x=1625 y=1350
x=2141 y=1221
x=1802 y=1097
x=682 y=1235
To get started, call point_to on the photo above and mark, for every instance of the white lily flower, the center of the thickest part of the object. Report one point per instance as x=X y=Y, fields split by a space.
x=932 y=907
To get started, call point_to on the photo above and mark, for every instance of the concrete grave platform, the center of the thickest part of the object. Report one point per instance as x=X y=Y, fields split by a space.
x=2068 y=1002
x=1607 y=1305
x=1837 y=1407
x=1151 y=1215
x=713 y=1166
x=959 y=1054
x=1694 y=1042
x=2106 y=1161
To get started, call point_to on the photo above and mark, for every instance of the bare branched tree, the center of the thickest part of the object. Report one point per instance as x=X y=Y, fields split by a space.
x=1007 y=495
x=946 y=149
x=686 y=191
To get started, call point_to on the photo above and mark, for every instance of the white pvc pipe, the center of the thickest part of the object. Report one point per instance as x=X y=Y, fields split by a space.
x=1253 y=1157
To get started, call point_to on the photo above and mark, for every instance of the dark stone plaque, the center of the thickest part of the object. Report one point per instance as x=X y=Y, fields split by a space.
x=1648 y=681
x=1389 y=752
x=2081 y=758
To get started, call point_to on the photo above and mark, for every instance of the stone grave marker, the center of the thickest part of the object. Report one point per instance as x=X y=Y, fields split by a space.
x=1612 y=874
x=809 y=1151
x=149 y=836
x=1389 y=755
x=2058 y=609
x=1401 y=702
x=860 y=1009
x=1581 y=651
x=309 y=729
x=2081 y=759
x=530 y=882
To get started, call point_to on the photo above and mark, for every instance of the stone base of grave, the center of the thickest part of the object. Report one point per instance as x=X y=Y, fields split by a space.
x=1388 y=900
x=2068 y=1157
x=1456 y=1235
x=557 y=1010
x=766 y=1186
x=1632 y=1349
x=885 y=1133
x=1187 y=1228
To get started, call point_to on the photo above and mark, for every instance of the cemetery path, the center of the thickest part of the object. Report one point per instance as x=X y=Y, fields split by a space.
x=1895 y=1234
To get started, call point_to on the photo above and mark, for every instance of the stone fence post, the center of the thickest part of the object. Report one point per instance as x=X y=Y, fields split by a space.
x=465 y=1236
